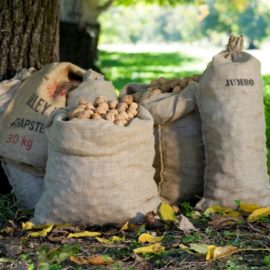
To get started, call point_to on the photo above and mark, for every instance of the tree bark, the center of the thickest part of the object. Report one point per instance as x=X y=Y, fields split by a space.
x=29 y=34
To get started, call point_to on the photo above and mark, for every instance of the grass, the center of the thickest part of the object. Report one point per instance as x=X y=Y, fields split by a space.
x=122 y=68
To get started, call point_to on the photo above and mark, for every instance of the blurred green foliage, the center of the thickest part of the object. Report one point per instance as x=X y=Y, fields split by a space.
x=183 y=20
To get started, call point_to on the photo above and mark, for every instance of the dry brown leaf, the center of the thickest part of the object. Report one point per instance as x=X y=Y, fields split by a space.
x=222 y=221
x=93 y=260
x=185 y=225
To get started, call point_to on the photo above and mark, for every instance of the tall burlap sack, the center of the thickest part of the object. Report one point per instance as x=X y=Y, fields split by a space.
x=98 y=172
x=22 y=137
x=179 y=159
x=26 y=185
x=230 y=101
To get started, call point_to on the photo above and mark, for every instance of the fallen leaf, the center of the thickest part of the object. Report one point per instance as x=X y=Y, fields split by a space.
x=223 y=221
x=210 y=252
x=42 y=233
x=146 y=237
x=132 y=227
x=125 y=227
x=155 y=248
x=215 y=252
x=27 y=226
x=94 y=260
x=83 y=234
x=117 y=238
x=248 y=207
x=199 y=248
x=166 y=212
x=103 y=240
x=186 y=248
x=224 y=211
x=185 y=225
x=7 y=230
x=257 y=214
x=195 y=214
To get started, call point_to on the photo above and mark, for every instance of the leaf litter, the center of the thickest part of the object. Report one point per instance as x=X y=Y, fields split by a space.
x=171 y=239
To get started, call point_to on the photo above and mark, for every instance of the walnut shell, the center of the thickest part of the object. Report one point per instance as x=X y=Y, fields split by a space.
x=113 y=104
x=127 y=99
x=96 y=116
x=177 y=89
x=132 y=111
x=162 y=80
x=99 y=100
x=101 y=110
x=120 y=122
x=84 y=115
x=109 y=116
x=133 y=105
x=122 y=107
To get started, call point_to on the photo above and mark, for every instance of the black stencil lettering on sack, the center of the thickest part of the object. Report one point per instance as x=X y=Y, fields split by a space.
x=239 y=82
x=38 y=104
x=28 y=124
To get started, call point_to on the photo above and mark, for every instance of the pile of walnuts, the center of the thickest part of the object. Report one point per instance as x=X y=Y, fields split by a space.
x=163 y=85
x=119 y=112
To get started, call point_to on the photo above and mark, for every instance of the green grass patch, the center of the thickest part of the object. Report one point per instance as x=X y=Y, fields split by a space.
x=123 y=68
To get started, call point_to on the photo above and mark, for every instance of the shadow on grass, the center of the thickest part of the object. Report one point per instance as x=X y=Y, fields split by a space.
x=122 y=68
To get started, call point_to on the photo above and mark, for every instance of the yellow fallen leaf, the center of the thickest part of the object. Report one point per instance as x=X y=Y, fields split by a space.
x=248 y=207
x=199 y=248
x=215 y=252
x=186 y=248
x=257 y=214
x=210 y=252
x=117 y=238
x=125 y=227
x=131 y=227
x=27 y=226
x=103 y=240
x=217 y=209
x=94 y=260
x=166 y=212
x=146 y=237
x=155 y=248
x=83 y=234
x=42 y=233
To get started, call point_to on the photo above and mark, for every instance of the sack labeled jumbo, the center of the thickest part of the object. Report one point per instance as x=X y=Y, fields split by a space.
x=179 y=159
x=230 y=101
x=22 y=137
x=98 y=172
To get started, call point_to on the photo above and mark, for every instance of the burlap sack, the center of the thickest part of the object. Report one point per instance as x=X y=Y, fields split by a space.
x=27 y=186
x=179 y=159
x=93 y=86
x=8 y=88
x=22 y=135
x=98 y=172
x=230 y=101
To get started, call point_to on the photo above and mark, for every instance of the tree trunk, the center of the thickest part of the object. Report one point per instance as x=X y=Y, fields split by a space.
x=28 y=38
x=29 y=34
